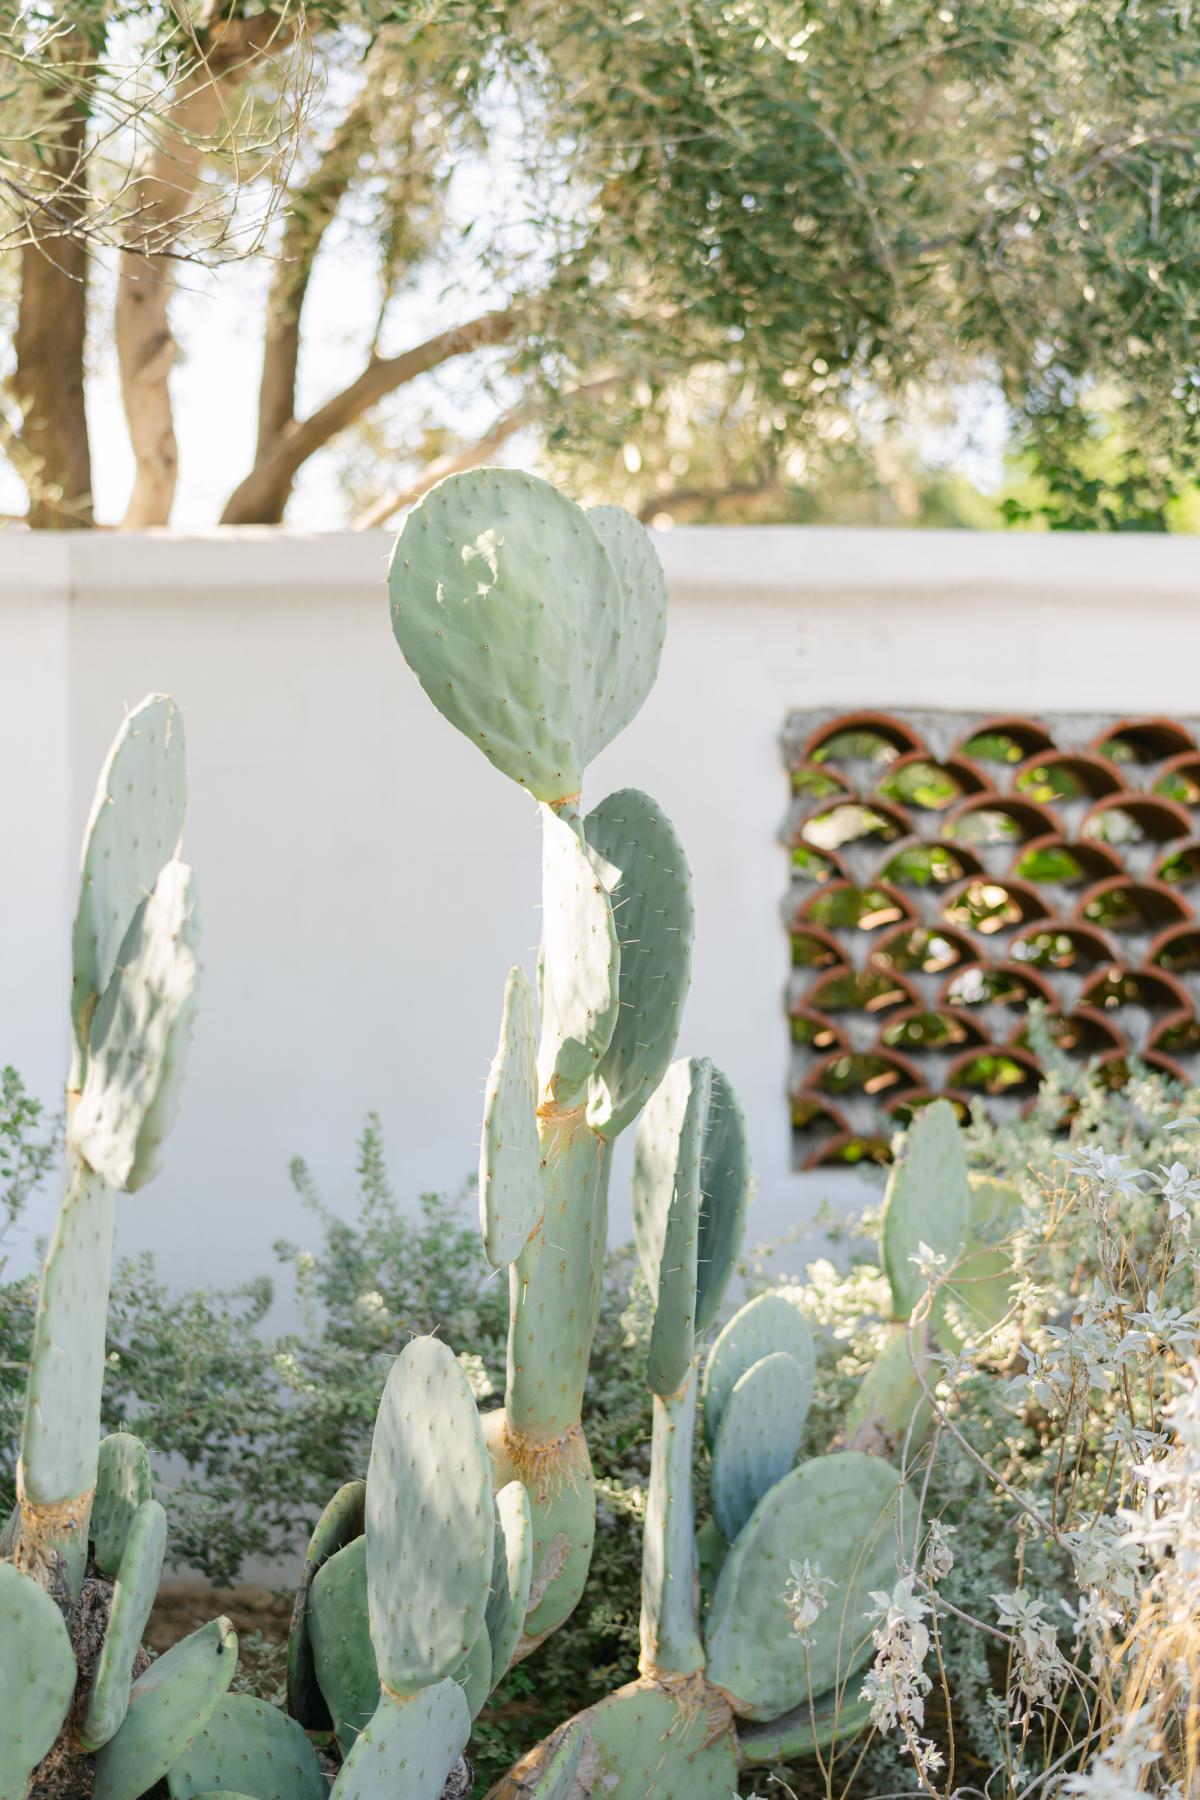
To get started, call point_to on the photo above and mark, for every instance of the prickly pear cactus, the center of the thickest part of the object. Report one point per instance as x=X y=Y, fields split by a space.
x=536 y=627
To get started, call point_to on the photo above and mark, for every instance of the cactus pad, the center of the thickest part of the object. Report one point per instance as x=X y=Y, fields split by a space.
x=647 y=1745
x=760 y=1434
x=133 y=1596
x=122 y=1486
x=512 y=1572
x=770 y=1322
x=408 y=1748
x=430 y=1522
x=510 y=1161
x=139 y=1036
x=340 y=1633
x=652 y=909
x=474 y=1673
x=838 y=1511
x=259 y=1747
x=690 y=1181
x=670 y=1640
x=980 y=1292
x=581 y=960
x=890 y=1410
x=168 y=1705
x=508 y=609
x=643 y=625
x=134 y=827
x=928 y=1202
x=339 y=1524
x=831 y=1719
x=37 y=1677
x=59 y=1447
x=556 y=1781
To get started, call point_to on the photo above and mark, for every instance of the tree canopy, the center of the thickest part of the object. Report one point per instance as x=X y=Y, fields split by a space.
x=743 y=240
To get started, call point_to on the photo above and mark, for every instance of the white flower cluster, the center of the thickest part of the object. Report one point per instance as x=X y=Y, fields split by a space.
x=1038 y=1666
x=896 y=1683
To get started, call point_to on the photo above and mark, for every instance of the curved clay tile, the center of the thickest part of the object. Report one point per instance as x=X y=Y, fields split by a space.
x=961 y=1028
x=849 y=1147
x=813 y=1112
x=1025 y=984
x=1034 y=820
x=1022 y=893
x=1153 y=989
x=894 y=909
x=1086 y=943
x=804 y=856
x=1093 y=775
x=1166 y=1035
x=1180 y=770
x=967 y=778
x=1151 y=739
x=913 y=1099
x=963 y=855
x=1029 y=735
x=818 y=1031
x=1185 y=859
x=1178 y=947
x=885 y=952
x=891 y=1067
x=1095 y=859
x=1159 y=819
x=894 y=816
x=1156 y=904
x=959 y=1072
x=891 y=989
x=829 y=953
x=1084 y=1031
x=895 y=732
x=821 y=780
x=1115 y=1067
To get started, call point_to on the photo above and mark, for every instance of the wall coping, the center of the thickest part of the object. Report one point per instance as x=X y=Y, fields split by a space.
x=768 y=561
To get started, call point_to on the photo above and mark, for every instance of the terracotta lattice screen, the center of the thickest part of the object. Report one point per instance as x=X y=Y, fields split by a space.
x=948 y=869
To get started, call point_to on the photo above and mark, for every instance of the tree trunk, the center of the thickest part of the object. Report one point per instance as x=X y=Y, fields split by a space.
x=163 y=194
x=251 y=502
x=55 y=458
x=313 y=210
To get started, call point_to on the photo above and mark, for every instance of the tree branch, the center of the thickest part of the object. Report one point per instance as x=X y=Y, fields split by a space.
x=382 y=376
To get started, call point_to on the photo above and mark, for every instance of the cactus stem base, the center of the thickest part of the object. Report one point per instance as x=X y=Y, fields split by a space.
x=49 y=1541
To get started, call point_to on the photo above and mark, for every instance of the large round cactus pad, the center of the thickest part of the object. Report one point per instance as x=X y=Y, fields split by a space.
x=508 y=609
x=928 y=1202
x=256 y=1745
x=169 y=1704
x=652 y=911
x=760 y=1435
x=768 y=1323
x=134 y=827
x=408 y=1748
x=133 y=1596
x=122 y=1485
x=37 y=1677
x=338 y=1525
x=831 y=1719
x=430 y=1521
x=837 y=1511
x=340 y=1634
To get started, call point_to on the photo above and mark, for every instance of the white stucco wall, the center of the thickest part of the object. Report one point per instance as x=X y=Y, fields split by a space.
x=366 y=879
